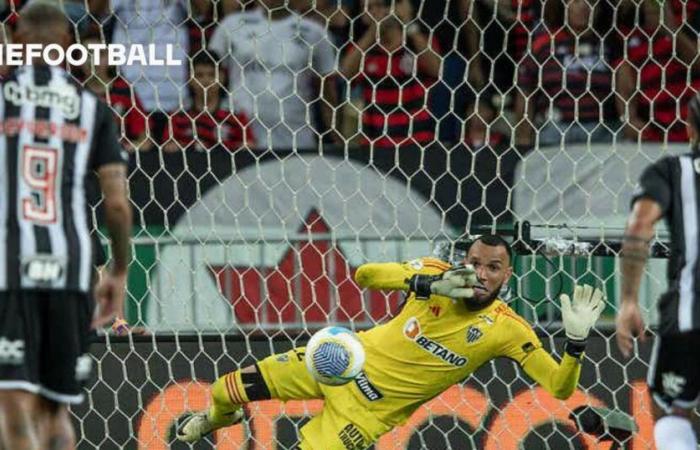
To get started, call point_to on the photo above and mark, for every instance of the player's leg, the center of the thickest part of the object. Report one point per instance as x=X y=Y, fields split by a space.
x=18 y=428
x=282 y=377
x=674 y=431
x=19 y=370
x=57 y=431
x=674 y=382
x=65 y=366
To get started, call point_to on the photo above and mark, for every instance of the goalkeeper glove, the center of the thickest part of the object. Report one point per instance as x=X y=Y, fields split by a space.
x=456 y=282
x=580 y=315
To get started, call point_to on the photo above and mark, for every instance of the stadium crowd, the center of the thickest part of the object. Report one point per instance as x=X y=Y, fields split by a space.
x=283 y=75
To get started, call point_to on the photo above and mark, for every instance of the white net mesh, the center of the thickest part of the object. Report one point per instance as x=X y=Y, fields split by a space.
x=302 y=139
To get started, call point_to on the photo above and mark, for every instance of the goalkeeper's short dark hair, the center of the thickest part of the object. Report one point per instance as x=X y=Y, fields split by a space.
x=457 y=251
x=494 y=240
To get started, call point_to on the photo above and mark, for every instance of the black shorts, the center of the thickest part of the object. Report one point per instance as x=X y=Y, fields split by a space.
x=674 y=371
x=43 y=343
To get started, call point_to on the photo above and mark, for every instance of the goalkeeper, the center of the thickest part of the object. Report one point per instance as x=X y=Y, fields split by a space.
x=451 y=324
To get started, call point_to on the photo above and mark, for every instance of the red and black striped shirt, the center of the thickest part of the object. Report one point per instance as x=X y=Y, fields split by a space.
x=203 y=130
x=687 y=11
x=663 y=84
x=395 y=99
x=575 y=86
x=127 y=109
x=200 y=31
x=527 y=15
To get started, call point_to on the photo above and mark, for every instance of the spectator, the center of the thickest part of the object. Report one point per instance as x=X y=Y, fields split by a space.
x=103 y=80
x=393 y=76
x=656 y=111
x=160 y=88
x=567 y=79
x=496 y=47
x=204 y=18
x=333 y=14
x=687 y=12
x=201 y=24
x=279 y=64
x=209 y=122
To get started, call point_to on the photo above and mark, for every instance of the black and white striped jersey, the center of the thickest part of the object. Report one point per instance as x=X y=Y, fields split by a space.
x=672 y=182
x=53 y=135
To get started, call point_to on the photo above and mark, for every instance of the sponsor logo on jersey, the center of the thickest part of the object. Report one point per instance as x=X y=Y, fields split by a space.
x=63 y=96
x=11 y=352
x=412 y=328
x=83 y=367
x=673 y=384
x=528 y=347
x=416 y=264
x=473 y=334
x=351 y=438
x=485 y=318
x=435 y=310
x=370 y=392
x=43 y=269
x=412 y=331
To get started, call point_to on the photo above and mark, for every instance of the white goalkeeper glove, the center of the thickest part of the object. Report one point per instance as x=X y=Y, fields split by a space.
x=456 y=282
x=580 y=315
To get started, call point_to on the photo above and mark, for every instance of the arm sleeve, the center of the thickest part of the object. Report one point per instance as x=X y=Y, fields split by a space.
x=654 y=184
x=395 y=276
x=559 y=379
x=106 y=148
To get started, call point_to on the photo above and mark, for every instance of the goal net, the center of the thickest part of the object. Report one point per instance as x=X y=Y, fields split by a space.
x=300 y=139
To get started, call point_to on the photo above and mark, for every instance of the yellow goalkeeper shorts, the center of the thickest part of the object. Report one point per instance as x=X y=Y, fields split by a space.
x=343 y=424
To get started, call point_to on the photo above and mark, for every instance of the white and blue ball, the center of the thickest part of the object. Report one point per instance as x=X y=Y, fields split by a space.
x=334 y=356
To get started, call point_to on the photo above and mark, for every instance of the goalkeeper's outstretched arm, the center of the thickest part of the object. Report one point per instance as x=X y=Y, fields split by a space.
x=578 y=317
x=422 y=277
x=561 y=379
x=384 y=276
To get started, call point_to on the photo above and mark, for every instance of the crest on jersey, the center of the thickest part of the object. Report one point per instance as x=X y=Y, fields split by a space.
x=473 y=334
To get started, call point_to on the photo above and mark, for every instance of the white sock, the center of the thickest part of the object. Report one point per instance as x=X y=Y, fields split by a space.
x=674 y=433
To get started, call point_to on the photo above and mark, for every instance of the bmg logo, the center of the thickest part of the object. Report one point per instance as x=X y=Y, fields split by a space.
x=11 y=352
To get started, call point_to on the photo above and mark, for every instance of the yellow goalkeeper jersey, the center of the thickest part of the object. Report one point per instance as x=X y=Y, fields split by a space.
x=432 y=344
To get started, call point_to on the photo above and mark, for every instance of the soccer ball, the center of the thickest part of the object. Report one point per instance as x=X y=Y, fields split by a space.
x=334 y=356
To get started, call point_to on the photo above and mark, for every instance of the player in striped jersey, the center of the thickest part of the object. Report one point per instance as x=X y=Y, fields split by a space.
x=452 y=323
x=53 y=134
x=668 y=190
x=394 y=77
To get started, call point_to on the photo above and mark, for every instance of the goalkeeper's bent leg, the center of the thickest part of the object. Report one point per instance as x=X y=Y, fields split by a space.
x=228 y=395
x=231 y=391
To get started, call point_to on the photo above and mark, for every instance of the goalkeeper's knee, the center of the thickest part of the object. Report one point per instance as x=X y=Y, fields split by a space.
x=234 y=389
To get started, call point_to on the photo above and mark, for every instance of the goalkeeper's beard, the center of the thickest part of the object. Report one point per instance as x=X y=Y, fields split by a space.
x=475 y=303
